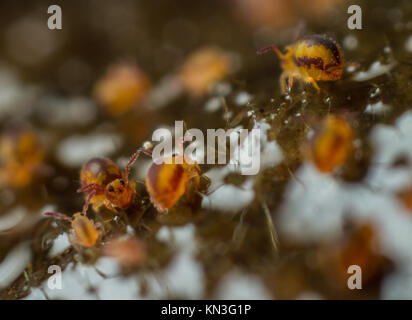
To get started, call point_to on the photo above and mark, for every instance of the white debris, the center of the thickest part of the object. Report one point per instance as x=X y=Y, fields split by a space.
x=35 y=294
x=243 y=98
x=397 y=285
x=408 y=44
x=77 y=149
x=376 y=92
x=313 y=207
x=12 y=218
x=19 y=218
x=15 y=98
x=164 y=93
x=147 y=145
x=240 y=286
x=230 y=198
x=184 y=277
x=271 y=153
x=251 y=156
x=107 y=266
x=222 y=89
x=76 y=281
x=350 y=42
x=14 y=264
x=60 y=244
x=79 y=111
x=375 y=70
x=378 y=108
x=389 y=144
x=254 y=154
x=119 y=289
x=350 y=69
x=180 y=237
x=213 y=104
x=224 y=197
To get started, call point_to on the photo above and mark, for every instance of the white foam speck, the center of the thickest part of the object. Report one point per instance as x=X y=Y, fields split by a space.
x=15 y=97
x=14 y=264
x=119 y=289
x=306 y=215
x=350 y=42
x=168 y=89
x=375 y=70
x=222 y=89
x=60 y=244
x=247 y=157
x=78 y=111
x=35 y=294
x=243 y=98
x=184 y=277
x=230 y=198
x=213 y=104
x=239 y=286
x=12 y=218
x=389 y=144
x=75 y=150
x=378 y=108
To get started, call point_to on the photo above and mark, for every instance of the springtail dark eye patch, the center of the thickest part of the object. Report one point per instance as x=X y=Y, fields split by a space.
x=122 y=182
x=111 y=189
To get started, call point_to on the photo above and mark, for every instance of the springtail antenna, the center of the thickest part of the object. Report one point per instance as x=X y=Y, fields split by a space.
x=270 y=48
x=133 y=159
x=90 y=187
x=57 y=215
x=87 y=202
